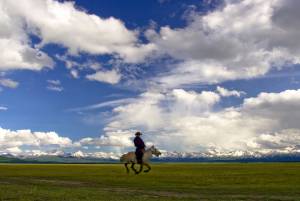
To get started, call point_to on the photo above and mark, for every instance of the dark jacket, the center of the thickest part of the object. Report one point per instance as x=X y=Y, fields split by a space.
x=139 y=143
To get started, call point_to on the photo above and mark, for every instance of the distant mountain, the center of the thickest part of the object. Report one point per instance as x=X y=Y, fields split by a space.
x=275 y=158
x=5 y=159
x=66 y=158
x=80 y=157
x=228 y=157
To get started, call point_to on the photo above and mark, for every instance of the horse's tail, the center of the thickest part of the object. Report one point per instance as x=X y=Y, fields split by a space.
x=123 y=158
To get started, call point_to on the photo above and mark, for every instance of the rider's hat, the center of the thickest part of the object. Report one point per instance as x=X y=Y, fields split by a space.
x=138 y=133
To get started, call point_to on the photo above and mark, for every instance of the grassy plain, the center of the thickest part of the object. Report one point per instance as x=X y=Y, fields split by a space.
x=176 y=181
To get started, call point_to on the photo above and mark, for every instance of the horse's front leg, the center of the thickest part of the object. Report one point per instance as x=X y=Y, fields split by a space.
x=132 y=167
x=127 y=170
x=148 y=166
x=141 y=167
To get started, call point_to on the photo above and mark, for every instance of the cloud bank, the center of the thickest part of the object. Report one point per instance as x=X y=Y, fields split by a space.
x=24 y=141
x=184 y=121
x=190 y=121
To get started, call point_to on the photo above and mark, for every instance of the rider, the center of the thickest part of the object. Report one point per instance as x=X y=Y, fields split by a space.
x=140 y=147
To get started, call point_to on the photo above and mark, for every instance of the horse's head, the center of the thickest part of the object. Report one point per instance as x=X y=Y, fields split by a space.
x=155 y=151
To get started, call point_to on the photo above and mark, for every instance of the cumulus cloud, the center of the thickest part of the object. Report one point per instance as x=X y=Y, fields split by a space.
x=189 y=121
x=226 y=93
x=153 y=111
x=285 y=141
x=143 y=112
x=242 y=39
x=109 y=76
x=17 y=141
x=282 y=107
x=112 y=138
x=62 y=23
x=19 y=53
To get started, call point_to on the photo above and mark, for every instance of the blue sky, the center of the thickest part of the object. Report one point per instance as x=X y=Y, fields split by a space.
x=194 y=76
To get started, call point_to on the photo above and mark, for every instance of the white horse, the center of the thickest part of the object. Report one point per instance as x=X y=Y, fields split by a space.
x=130 y=157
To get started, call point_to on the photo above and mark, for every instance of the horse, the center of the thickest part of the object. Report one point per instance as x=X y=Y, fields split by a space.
x=130 y=157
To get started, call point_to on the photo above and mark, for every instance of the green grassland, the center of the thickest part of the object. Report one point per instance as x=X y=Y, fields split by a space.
x=176 y=181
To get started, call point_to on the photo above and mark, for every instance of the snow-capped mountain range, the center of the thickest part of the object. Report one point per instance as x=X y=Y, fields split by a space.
x=213 y=155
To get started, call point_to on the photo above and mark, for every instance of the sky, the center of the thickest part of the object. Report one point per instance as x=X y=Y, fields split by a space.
x=202 y=76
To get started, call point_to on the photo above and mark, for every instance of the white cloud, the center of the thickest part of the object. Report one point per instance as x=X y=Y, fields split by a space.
x=14 y=141
x=54 y=85
x=189 y=121
x=144 y=112
x=62 y=23
x=242 y=39
x=109 y=76
x=100 y=155
x=18 y=52
x=285 y=140
x=55 y=88
x=2 y=108
x=283 y=107
x=75 y=66
x=18 y=55
x=226 y=93
x=112 y=103
x=8 y=83
x=115 y=138
x=111 y=155
x=192 y=102
x=160 y=113
x=13 y=150
x=186 y=121
x=54 y=82
x=74 y=74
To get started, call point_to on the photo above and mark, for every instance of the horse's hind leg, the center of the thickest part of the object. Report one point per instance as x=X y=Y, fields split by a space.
x=148 y=166
x=127 y=170
x=132 y=167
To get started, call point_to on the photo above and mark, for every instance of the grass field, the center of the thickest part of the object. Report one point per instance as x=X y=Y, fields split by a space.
x=197 y=181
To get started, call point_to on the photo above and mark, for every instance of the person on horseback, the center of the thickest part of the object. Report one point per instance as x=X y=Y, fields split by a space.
x=140 y=147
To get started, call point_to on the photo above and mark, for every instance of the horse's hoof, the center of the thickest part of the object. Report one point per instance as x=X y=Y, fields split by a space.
x=146 y=171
